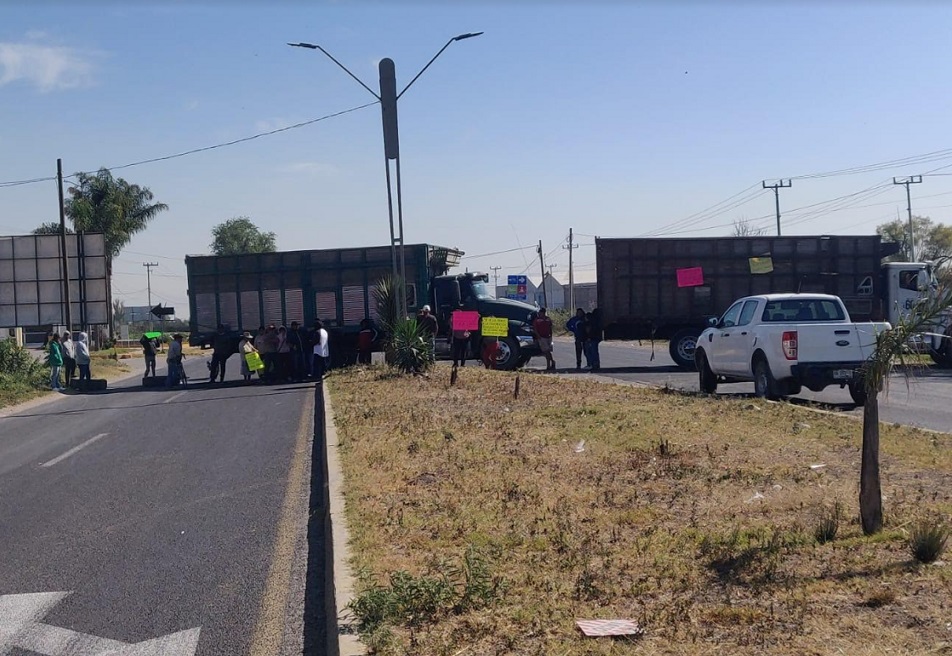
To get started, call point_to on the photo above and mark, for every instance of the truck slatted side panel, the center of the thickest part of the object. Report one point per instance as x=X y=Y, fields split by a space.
x=294 y=305
x=228 y=309
x=272 y=306
x=250 y=311
x=205 y=311
x=353 y=301
x=326 y=305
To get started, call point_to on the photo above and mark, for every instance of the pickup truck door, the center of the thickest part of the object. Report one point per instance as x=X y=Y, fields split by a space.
x=742 y=339
x=722 y=340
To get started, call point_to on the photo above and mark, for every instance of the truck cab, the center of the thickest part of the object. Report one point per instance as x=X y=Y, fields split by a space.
x=907 y=285
x=471 y=291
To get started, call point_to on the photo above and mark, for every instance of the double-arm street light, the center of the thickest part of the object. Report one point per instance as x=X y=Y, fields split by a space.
x=388 y=98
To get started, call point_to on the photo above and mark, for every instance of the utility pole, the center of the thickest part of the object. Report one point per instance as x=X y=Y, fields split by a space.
x=68 y=316
x=571 y=246
x=545 y=295
x=777 y=186
x=911 y=180
x=148 y=272
x=495 y=271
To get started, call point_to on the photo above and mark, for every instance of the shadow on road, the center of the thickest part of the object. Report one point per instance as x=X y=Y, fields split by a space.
x=319 y=604
x=647 y=369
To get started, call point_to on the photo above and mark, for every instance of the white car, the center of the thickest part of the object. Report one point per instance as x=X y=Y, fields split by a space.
x=783 y=342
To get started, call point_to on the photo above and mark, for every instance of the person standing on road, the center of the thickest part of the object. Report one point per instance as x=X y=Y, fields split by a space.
x=69 y=357
x=221 y=351
x=430 y=327
x=82 y=361
x=460 y=342
x=173 y=360
x=246 y=347
x=148 y=352
x=542 y=330
x=56 y=362
x=284 y=355
x=297 y=339
x=577 y=326
x=365 y=342
x=269 y=351
x=321 y=350
x=594 y=337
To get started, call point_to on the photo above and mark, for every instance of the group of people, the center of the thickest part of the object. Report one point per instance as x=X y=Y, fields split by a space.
x=586 y=327
x=66 y=356
x=285 y=354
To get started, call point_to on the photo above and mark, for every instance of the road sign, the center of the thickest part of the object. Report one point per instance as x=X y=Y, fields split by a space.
x=21 y=628
x=160 y=311
x=518 y=288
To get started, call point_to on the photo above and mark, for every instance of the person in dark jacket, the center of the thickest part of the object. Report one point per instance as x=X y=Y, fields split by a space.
x=578 y=326
x=365 y=342
x=149 y=349
x=297 y=338
x=593 y=338
x=430 y=327
x=222 y=348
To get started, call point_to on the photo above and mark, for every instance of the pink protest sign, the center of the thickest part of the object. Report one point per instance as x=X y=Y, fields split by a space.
x=465 y=320
x=692 y=277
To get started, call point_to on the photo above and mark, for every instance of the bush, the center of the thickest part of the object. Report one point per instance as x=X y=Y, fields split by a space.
x=409 y=347
x=927 y=541
x=828 y=524
x=17 y=362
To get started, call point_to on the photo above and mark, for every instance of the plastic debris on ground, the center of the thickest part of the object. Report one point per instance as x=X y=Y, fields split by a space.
x=818 y=466
x=580 y=446
x=757 y=497
x=599 y=628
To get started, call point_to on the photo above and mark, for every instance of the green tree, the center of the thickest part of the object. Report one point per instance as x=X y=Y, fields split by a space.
x=933 y=240
x=101 y=203
x=51 y=228
x=892 y=348
x=239 y=235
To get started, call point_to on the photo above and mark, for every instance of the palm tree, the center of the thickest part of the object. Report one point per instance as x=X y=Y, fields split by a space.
x=892 y=348
x=114 y=207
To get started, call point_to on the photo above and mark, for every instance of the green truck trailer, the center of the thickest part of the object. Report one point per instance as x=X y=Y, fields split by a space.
x=244 y=292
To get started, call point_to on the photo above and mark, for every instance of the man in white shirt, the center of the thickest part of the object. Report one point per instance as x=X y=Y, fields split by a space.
x=173 y=359
x=321 y=350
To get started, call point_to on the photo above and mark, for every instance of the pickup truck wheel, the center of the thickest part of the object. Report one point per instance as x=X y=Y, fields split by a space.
x=507 y=357
x=682 y=346
x=765 y=387
x=707 y=381
x=858 y=391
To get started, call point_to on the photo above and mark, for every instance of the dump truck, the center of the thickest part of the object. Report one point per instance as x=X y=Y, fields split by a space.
x=668 y=288
x=244 y=292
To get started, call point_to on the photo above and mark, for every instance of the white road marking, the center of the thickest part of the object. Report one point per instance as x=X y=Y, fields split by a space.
x=169 y=400
x=20 y=627
x=74 y=450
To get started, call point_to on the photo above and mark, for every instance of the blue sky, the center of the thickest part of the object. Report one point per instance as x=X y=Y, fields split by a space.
x=616 y=119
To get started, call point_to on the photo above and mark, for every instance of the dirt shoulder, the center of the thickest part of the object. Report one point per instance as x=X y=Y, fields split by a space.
x=693 y=516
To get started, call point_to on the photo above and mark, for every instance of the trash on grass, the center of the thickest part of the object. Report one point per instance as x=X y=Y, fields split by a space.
x=818 y=466
x=580 y=446
x=597 y=628
x=757 y=496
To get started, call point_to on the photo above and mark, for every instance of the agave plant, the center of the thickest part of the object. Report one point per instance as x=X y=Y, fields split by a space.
x=387 y=295
x=409 y=347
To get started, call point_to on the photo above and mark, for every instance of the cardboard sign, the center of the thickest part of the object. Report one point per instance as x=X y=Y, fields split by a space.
x=465 y=320
x=761 y=264
x=693 y=277
x=495 y=327
x=255 y=363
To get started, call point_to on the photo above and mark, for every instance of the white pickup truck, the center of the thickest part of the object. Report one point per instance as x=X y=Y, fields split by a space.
x=783 y=342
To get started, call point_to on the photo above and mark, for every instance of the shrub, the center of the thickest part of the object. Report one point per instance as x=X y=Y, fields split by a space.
x=409 y=347
x=927 y=541
x=17 y=363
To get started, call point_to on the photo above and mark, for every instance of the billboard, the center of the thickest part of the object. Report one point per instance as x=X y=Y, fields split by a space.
x=31 y=280
x=518 y=289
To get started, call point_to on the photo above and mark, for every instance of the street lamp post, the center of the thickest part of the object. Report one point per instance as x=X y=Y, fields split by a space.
x=388 y=97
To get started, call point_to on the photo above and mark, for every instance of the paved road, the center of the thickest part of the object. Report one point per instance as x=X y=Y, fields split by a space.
x=927 y=402
x=160 y=512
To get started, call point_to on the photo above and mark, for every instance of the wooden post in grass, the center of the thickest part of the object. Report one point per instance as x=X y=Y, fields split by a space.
x=515 y=391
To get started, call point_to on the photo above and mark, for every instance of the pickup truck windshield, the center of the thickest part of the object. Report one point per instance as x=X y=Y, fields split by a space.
x=803 y=310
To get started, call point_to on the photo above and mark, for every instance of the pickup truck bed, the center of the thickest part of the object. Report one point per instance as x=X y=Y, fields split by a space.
x=783 y=342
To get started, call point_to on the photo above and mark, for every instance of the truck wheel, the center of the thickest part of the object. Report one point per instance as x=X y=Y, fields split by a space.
x=765 y=387
x=943 y=356
x=707 y=381
x=858 y=390
x=682 y=346
x=507 y=357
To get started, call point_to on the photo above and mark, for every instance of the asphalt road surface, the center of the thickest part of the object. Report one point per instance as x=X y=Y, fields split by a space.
x=926 y=402
x=140 y=515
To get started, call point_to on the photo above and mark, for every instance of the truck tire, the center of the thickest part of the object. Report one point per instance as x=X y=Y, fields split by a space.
x=765 y=387
x=858 y=390
x=682 y=346
x=943 y=356
x=707 y=381
x=508 y=354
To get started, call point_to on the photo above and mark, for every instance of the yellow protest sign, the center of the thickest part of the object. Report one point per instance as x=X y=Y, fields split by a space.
x=495 y=327
x=761 y=264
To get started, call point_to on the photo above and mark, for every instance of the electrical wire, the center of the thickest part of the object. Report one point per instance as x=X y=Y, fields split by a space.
x=511 y=250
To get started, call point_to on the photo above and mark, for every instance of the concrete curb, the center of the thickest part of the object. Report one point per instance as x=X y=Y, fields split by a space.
x=339 y=624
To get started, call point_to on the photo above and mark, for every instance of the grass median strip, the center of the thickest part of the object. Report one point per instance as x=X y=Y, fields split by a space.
x=482 y=524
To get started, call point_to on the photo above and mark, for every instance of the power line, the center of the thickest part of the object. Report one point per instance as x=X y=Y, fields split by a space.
x=203 y=149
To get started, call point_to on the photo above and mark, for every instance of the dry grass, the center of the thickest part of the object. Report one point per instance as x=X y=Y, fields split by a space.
x=693 y=516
